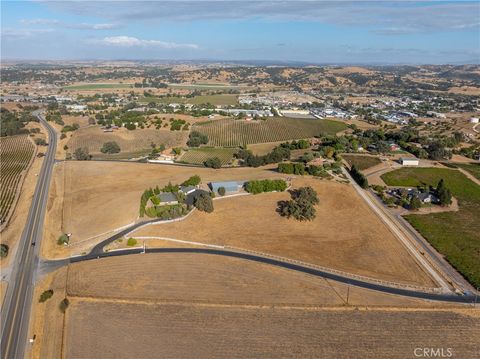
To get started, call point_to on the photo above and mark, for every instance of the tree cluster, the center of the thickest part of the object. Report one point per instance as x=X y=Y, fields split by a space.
x=278 y=154
x=301 y=206
x=266 y=185
x=358 y=177
x=214 y=162
x=110 y=147
x=195 y=139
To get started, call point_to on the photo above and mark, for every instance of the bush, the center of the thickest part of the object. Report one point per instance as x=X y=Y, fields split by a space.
x=63 y=239
x=64 y=305
x=131 y=242
x=45 y=296
x=82 y=154
x=3 y=250
x=40 y=142
x=204 y=203
x=110 y=147
x=214 y=162
x=221 y=191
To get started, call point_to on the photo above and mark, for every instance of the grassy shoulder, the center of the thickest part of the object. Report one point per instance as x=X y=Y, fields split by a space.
x=454 y=234
x=472 y=168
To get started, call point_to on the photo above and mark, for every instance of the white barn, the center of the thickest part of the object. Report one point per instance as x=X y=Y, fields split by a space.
x=409 y=161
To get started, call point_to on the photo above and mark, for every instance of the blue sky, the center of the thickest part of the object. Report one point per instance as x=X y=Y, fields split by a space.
x=308 y=31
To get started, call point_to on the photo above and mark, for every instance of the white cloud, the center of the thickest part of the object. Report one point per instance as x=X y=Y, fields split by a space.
x=9 y=33
x=129 y=41
x=39 y=21
x=87 y=26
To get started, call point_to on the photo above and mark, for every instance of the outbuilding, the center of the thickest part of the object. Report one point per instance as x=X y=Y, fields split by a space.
x=230 y=186
x=409 y=161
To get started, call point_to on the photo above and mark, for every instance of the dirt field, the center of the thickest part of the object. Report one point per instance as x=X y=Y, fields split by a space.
x=47 y=319
x=93 y=206
x=126 y=330
x=340 y=237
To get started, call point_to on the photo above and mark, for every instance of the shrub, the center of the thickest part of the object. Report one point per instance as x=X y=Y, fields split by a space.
x=64 y=305
x=131 y=242
x=221 y=191
x=110 y=147
x=82 y=154
x=46 y=295
x=63 y=239
x=40 y=142
x=3 y=250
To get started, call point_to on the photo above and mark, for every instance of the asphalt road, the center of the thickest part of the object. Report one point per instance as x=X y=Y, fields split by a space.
x=444 y=297
x=15 y=315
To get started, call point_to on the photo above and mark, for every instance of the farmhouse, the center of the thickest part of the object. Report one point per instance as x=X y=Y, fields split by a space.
x=230 y=186
x=187 y=189
x=409 y=161
x=167 y=198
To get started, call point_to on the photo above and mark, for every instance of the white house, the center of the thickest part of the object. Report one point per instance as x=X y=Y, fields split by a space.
x=409 y=161
x=474 y=120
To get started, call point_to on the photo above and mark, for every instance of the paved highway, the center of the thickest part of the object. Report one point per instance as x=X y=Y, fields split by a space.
x=15 y=315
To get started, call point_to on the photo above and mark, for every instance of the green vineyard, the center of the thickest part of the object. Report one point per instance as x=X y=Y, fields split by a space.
x=200 y=155
x=15 y=155
x=233 y=133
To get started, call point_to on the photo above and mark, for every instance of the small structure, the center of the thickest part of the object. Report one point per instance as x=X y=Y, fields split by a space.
x=409 y=161
x=230 y=186
x=474 y=120
x=167 y=198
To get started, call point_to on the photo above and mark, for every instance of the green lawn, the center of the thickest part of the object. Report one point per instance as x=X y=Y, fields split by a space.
x=454 y=234
x=226 y=100
x=94 y=86
x=473 y=168
x=361 y=162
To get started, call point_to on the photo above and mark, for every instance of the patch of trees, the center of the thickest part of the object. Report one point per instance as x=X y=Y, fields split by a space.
x=70 y=128
x=192 y=181
x=278 y=154
x=63 y=239
x=195 y=139
x=260 y=186
x=214 y=162
x=176 y=124
x=110 y=147
x=40 y=142
x=358 y=177
x=204 y=202
x=82 y=154
x=443 y=193
x=13 y=123
x=301 y=206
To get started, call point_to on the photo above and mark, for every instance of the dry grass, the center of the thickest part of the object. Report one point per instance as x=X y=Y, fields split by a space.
x=346 y=234
x=127 y=330
x=88 y=198
x=129 y=141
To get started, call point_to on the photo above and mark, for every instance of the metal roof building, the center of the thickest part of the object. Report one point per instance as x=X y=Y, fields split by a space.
x=230 y=186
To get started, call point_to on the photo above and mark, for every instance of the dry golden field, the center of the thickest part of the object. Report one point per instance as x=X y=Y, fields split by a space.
x=345 y=235
x=128 y=330
x=129 y=141
x=89 y=198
